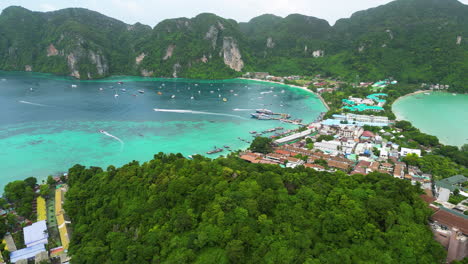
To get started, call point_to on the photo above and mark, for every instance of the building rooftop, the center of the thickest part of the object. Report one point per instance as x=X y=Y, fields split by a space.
x=36 y=234
x=26 y=253
x=449 y=219
x=452 y=183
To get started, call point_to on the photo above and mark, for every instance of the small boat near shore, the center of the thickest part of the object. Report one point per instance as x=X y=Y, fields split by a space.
x=216 y=150
x=141 y=91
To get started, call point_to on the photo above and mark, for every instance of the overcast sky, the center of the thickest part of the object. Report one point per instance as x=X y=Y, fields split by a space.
x=151 y=12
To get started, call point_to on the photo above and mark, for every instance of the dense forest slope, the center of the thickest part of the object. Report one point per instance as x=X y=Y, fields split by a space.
x=412 y=40
x=174 y=210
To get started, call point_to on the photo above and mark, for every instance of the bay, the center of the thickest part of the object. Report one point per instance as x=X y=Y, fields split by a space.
x=50 y=123
x=440 y=114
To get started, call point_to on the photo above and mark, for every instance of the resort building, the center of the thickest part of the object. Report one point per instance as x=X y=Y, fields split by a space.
x=405 y=151
x=451 y=231
x=445 y=187
x=36 y=234
x=358 y=120
x=332 y=147
x=28 y=253
x=60 y=214
x=293 y=137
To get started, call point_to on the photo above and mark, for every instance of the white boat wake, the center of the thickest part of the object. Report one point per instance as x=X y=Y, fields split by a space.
x=29 y=103
x=238 y=109
x=114 y=137
x=181 y=111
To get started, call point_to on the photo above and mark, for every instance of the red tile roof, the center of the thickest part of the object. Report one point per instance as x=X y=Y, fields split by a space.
x=364 y=164
x=428 y=199
x=448 y=219
x=283 y=152
x=337 y=164
x=368 y=134
x=314 y=166
x=249 y=158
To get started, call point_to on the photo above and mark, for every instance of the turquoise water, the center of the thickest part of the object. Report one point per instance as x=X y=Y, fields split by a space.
x=47 y=126
x=440 y=114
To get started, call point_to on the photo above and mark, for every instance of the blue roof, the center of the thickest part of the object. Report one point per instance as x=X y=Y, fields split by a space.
x=26 y=253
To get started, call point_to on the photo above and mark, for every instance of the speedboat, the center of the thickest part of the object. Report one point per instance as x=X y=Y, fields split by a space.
x=123 y=90
x=120 y=82
x=159 y=93
x=173 y=96
x=191 y=98
x=141 y=91
x=74 y=86
x=102 y=131
x=116 y=95
x=101 y=89
x=225 y=100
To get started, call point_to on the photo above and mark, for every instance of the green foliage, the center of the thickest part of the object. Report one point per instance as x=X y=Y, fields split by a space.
x=21 y=194
x=174 y=210
x=44 y=190
x=50 y=180
x=414 y=41
x=325 y=137
x=261 y=145
x=456 y=198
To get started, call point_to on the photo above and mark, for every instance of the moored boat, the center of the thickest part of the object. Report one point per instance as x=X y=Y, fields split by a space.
x=215 y=151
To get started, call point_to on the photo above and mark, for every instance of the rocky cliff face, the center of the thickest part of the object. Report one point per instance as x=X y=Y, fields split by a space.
x=52 y=51
x=212 y=35
x=232 y=55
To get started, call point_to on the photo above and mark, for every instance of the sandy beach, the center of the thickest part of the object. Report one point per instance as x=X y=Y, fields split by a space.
x=410 y=94
x=294 y=86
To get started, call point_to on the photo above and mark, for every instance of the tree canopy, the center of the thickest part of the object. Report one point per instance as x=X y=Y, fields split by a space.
x=174 y=210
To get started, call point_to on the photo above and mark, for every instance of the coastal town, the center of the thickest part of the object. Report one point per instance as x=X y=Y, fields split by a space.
x=355 y=137
x=353 y=144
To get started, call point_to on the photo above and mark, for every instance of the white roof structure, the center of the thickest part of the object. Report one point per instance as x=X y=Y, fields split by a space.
x=36 y=234
x=294 y=137
x=27 y=253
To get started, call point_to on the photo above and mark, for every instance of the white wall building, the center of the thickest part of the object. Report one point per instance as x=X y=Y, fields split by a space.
x=328 y=146
x=405 y=151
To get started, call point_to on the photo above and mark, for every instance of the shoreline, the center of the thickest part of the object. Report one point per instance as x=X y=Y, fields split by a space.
x=293 y=86
x=402 y=97
x=410 y=94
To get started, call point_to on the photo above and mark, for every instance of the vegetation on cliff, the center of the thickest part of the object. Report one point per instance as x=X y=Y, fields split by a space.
x=414 y=41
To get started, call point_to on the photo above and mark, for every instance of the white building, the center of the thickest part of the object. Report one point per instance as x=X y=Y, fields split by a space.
x=36 y=234
x=383 y=153
x=328 y=146
x=405 y=151
x=294 y=137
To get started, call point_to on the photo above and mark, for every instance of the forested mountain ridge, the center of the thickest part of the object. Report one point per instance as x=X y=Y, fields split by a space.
x=411 y=40
x=174 y=210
